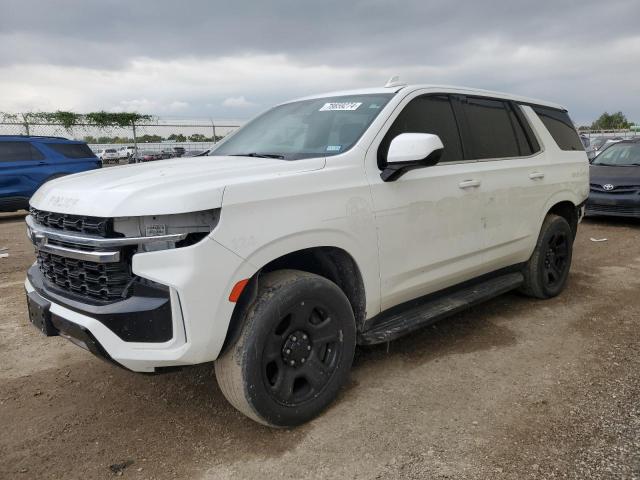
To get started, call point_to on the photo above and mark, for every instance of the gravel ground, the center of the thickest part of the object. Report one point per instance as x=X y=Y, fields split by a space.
x=516 y=389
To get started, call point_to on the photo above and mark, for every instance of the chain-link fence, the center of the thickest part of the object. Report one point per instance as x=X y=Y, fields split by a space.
x=616 y=133
x=160 y=139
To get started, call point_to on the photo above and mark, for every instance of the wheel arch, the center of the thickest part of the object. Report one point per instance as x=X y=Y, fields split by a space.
x=330 y=262
x=569 y=211
x=565 y=204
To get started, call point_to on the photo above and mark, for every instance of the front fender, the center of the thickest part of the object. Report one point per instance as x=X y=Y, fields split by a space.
x=365 y=260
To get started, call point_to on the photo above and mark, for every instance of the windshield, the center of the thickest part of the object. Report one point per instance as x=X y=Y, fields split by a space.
x=309 y=128
x=619 y=154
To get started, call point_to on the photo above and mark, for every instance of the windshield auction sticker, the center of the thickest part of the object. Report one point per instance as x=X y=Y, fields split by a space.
x=346 y=106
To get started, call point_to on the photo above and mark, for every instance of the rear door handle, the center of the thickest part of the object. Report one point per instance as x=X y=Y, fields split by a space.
x=469 y=183
x=536 y=175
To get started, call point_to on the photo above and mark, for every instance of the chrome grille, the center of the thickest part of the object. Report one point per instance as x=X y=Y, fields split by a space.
x=99 y=226
x=84 y=256
x=100 y=281
x=105 y=280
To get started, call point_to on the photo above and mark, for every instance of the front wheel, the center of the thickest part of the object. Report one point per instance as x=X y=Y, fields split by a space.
x=547 y=271
x=294 y=352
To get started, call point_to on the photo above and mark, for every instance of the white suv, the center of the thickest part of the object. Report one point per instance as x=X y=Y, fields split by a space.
x=335 y=220
x=126 y=152
x=107 y=155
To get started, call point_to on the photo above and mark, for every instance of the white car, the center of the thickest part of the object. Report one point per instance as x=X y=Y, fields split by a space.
x=108 y=154
x=334 y=220
x=124 y=153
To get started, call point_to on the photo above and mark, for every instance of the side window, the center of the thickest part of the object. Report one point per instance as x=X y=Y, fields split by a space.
x=560 y=127
x=74 y=150
x=490 y=131
x=426 y=114
x=15 y=151
x=35 y=153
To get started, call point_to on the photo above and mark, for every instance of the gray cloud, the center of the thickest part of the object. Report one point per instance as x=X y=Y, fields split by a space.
x=582 y=54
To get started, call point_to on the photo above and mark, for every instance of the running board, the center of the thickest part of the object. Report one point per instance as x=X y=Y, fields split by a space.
x=398 y=322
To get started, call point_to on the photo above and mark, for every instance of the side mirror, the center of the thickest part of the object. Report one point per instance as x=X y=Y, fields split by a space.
x=409 y=151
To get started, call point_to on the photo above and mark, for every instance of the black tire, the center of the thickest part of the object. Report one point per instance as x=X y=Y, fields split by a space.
x=546 y=272
x=294 y=351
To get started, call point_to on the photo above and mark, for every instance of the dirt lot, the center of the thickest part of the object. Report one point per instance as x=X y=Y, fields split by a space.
x=516 y=389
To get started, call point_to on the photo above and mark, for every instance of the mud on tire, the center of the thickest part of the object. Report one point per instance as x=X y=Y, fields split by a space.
x=294 y=351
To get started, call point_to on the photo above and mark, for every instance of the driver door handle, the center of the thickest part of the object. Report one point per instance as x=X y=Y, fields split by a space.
x=536 y=175
x=469 y=184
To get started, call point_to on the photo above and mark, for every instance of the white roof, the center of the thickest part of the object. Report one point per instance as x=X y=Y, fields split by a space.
x=435 y=88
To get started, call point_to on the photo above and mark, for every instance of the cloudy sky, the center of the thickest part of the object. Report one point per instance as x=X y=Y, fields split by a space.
x=230 y=60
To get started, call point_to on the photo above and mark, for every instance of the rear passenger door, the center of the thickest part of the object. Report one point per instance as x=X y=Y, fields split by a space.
x=22 y=169
x=429 y=231
x=497 y=135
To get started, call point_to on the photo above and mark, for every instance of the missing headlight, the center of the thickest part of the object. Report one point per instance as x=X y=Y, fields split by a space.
x=195 y=225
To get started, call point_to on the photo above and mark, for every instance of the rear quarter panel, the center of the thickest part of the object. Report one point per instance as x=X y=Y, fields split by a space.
x=567 y=172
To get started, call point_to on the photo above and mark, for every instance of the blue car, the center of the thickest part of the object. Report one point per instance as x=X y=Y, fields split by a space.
x=26 y=162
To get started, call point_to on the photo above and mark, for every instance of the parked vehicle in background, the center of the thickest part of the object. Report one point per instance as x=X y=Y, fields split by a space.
x=147 y=156
x=167 y=153
x=585 y=141
x=26 y=162
x=124 y=153
x=615 y=181
x=334 y=220
x=179 y=151
x=109 y=155
x=198 y=153
x=598 y=144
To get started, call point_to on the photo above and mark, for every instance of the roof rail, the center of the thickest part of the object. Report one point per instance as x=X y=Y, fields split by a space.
x=39 y=136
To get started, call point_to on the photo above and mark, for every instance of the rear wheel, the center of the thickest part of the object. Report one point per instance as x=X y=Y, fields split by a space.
x=547 y=270
x=294 y=351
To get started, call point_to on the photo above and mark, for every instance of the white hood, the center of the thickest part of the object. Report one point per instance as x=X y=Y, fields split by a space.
x=158 y=188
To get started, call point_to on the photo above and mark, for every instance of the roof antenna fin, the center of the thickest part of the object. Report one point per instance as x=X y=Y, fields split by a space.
x=394 y=82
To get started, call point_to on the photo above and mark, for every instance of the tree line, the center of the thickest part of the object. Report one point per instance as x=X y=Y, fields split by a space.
x=609 y=121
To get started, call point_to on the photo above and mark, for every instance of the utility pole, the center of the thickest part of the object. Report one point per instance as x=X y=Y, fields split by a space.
x=135 y=141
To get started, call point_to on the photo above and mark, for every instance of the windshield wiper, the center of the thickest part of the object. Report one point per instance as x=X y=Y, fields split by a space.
x=258 y=155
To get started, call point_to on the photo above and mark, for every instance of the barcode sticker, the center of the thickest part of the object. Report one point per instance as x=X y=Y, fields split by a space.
x=155 y=230
x=344 y=106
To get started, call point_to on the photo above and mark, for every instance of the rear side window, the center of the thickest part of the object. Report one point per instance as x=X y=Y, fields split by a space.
x=72 y=150
x=427 y=114
x=18 y=151
x=490 y=129
x=560 y=127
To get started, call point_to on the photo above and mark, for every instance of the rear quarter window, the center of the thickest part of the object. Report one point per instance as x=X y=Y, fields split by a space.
x=560 y=127
x=72 y=150
x=18 y=151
